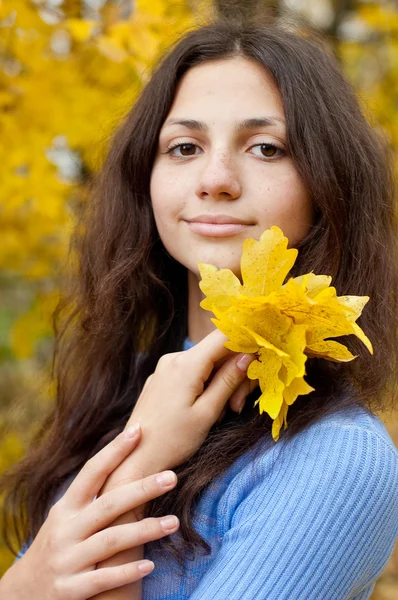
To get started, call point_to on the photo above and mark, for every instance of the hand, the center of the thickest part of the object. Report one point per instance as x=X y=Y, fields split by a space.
x=176 y=410
x=238 y=399
x=61 y=562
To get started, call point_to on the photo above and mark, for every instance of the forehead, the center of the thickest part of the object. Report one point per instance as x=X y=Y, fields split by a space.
x=228 y=86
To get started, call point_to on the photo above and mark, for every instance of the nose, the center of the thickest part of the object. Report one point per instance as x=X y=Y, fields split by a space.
x=219 y=179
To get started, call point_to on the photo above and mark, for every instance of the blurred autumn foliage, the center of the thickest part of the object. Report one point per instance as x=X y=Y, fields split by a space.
x=67 y=77
x=69 y=71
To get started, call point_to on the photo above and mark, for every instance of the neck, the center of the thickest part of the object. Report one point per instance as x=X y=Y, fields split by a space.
x=199 y=324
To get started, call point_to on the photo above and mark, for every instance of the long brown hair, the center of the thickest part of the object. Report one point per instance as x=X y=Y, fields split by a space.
x=127 y=306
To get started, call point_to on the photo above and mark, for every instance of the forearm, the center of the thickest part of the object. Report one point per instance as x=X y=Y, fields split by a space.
x=10 y=585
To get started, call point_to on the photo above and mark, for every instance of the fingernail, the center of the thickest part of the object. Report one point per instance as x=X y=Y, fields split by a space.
x=169 y=523
x=146 y=566
x=166 y=478
x=131 y=432
x=244 y=361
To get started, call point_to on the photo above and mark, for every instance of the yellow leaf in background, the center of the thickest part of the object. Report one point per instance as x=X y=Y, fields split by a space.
x=155 y=8
x=282 y=323
x=81 y=30
x=33 y=325
x=111 y=48
x=11 y=450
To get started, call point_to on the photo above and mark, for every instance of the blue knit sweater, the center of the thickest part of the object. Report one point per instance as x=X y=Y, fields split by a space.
x=313 y=519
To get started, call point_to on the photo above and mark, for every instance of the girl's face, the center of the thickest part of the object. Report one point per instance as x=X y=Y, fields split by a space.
x=222 y=153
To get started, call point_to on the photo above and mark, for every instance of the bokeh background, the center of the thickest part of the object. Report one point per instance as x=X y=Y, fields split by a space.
x=69 y=71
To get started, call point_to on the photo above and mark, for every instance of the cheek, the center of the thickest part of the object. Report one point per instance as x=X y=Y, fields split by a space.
x=289 y=206
x=168 y=201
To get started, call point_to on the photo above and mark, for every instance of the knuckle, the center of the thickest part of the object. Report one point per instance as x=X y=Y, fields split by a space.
x=147 y=528
x=230 y=380
x=164 y=360
x=179 y=359
x=172 y=361
x=60 y=591
x=53 y=566
x=97 y=581
x=145 y=488
x=106 y=502
x=54 y=510
x=92 y=466
x=148 y=381
x=108 y=540
x=124 y=574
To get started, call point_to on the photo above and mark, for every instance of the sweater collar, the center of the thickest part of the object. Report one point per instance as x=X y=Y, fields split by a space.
x=187 y=344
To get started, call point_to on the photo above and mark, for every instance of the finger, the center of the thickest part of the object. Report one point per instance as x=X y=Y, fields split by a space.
x=208 y=351
x=254 y=383
x=224 y=383
x=94 y=473
x=223 y=413
x=111 y=541
x=118 y=501
x=100 y=580
x=237 y=400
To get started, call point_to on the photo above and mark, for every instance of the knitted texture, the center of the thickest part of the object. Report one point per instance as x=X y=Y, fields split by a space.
x=315 y=518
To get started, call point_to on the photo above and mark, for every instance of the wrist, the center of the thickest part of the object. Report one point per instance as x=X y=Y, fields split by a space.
x=9 y=588
x=133 y=468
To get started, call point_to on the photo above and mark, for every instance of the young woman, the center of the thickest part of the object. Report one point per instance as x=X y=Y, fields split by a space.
x=254 y=126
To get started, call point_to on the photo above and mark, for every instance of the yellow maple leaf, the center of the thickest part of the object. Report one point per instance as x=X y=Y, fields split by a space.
x=282 y=323
x=265 y=264
x=81 y=30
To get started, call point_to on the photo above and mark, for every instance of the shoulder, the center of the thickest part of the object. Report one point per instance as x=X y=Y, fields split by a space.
x=353 y=436
x=327 y=500
x=351 y=448
x=314 y=517
x=344 y=457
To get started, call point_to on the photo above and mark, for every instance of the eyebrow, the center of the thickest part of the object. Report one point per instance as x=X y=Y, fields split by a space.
x=238 y=126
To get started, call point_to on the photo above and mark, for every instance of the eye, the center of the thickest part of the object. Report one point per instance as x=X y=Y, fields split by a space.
x=186 y=149
x=267 y=150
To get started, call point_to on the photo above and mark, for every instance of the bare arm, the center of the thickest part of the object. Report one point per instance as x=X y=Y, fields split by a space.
x=7 y=589
x=79 y=534
x=171 y=437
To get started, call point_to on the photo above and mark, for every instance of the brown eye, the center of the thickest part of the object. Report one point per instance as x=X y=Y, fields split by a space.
x=268 y=150
x=185 y=149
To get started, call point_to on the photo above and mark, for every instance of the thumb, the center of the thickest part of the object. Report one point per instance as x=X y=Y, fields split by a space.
x=224 y=383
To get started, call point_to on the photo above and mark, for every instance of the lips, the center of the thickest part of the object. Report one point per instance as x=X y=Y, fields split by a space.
x=218 y=219
x=216 y=229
